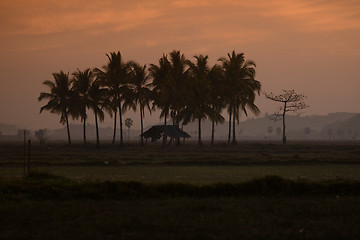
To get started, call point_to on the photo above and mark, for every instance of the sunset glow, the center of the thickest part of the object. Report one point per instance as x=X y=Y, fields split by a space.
x=311 y=46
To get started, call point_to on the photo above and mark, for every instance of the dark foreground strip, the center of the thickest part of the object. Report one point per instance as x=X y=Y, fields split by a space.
x=44 y=186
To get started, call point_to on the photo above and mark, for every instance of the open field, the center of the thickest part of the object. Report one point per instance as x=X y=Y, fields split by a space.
x=177 y=195
x=188 y=163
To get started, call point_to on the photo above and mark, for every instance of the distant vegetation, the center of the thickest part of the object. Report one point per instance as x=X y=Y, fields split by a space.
x=332 y=127
x=183 y=90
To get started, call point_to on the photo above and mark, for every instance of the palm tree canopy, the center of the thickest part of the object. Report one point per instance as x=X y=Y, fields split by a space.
x=216 y=92
x=60 y=95
x=82 y=81
x=161 y=85
x=242 y=86
x=98 y=99
x=197 y=96
x=138 y=91
x=115 y=74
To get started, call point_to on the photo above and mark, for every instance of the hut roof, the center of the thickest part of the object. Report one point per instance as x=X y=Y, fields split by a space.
x=157 y=131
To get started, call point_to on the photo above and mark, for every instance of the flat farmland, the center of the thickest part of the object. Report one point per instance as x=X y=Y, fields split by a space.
x=187 y=163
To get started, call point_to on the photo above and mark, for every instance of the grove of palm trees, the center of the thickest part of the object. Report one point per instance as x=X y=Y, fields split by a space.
x=184 y=90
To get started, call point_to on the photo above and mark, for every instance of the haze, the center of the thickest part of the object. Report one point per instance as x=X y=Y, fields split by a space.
x=311 y=46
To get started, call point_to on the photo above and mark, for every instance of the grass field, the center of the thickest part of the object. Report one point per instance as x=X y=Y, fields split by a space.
x=317 y=196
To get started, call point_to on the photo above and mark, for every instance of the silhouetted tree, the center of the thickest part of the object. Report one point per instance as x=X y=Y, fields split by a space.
x=291 y=101
x=161 y=88
x=114 y=76
x=197 y=99
x=241 y=87
x=139 y=92
x=179 y=75
x=128 y=123
x=98 y=102
x=169 y=84
x=81 y=84
x=60 y=97
x=216 y=96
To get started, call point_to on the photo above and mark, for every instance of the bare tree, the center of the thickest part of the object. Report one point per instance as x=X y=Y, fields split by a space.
x=291 y=101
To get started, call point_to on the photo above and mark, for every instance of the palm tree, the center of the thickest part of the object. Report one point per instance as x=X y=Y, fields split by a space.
x=197 y=105
x=60 y=97
x=179 y=75
x=161 y=85
x=230 y=67
x=139 y=92
x=98 y=100
x=247 y=87
x=82 y=82
x=216 y=96
x=114 y=76
x=241 y=87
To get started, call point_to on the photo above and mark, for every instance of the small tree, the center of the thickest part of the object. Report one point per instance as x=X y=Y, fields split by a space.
x=41 y=134
x=291 y=101
x=128 y=123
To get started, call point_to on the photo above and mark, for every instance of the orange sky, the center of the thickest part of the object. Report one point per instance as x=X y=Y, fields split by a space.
x=312 y=46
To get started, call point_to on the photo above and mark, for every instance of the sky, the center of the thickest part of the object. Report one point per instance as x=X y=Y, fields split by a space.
x=312 y=46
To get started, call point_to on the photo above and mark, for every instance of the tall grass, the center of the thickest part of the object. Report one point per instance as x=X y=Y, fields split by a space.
x=42 y=186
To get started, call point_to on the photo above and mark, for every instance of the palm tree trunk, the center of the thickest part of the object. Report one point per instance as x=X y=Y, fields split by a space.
x=97 y=130
x=67 y=127
x=234 y=134
x=230 y=111
x=121 y=123
x=84 y=127
x=199 y=130
x=141 y=127
x=114 y=135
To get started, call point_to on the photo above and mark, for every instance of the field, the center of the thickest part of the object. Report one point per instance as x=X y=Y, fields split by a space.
x=252 y=190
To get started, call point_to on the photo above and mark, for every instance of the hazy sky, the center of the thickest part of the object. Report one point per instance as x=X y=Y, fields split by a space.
x=312 y=46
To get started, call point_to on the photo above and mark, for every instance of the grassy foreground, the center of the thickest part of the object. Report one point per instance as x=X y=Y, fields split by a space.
x=182 y=192
x=44 y=206
x=252 y=217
